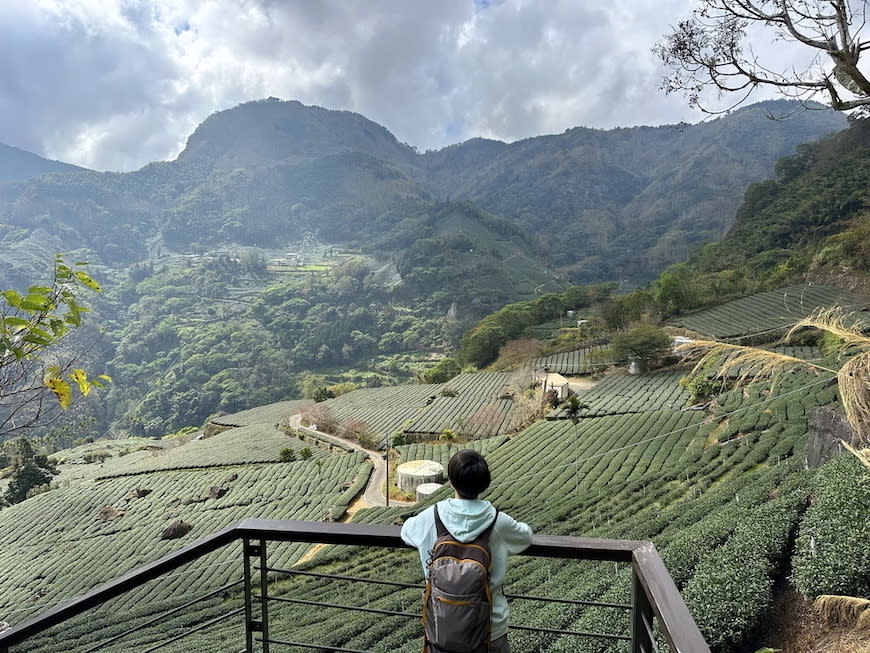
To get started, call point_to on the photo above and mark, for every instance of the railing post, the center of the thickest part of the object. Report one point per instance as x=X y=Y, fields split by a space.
x=249 y=591
x=641 y=617
x=264 y=596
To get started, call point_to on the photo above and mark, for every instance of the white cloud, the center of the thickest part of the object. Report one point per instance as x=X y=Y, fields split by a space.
x=113 y=84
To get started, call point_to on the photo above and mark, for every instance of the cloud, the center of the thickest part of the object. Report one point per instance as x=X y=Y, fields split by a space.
x=113 y=84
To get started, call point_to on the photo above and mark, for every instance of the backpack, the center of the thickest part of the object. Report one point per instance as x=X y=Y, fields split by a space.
x=457 y=602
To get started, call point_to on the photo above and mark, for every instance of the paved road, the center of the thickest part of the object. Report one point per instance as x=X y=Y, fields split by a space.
x=373 y=495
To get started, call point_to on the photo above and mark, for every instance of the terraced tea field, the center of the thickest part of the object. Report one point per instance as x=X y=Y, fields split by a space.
x=570 y=363
x=107 y=517
x=269 y=414
x=622 y=393
x=474 y=405
x=721 y=492
x=771 y=310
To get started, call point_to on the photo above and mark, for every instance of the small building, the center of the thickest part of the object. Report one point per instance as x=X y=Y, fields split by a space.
x=554 y=381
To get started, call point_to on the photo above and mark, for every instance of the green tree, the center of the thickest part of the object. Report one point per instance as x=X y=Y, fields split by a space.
x=31 y=323
x=442 y=371
x=676 y=290
x=642 y=344
x=30 y=470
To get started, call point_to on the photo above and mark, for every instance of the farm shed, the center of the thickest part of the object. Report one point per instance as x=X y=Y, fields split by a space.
x=554 y=381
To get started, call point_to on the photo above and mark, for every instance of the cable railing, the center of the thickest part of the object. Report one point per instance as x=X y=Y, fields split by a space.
x=656 y=618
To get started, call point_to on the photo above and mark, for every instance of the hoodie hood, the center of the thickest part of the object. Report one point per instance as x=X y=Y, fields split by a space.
x=466 y=519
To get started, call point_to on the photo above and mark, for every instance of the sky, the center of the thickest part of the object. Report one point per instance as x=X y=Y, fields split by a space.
x=115 y=84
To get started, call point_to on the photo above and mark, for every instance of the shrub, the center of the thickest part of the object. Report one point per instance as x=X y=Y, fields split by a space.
x=287 y=455
x=447 y=435
x=319 y=417
x=832 y=556
x=305 y=453
x=96 y=456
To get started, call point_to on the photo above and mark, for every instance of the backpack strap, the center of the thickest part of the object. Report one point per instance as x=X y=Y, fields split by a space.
x=441 y=529
x=483 y=538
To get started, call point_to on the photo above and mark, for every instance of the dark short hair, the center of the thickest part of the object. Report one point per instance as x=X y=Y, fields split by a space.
x=468 y=473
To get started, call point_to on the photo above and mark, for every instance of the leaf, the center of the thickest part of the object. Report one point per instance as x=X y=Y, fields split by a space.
x=59 y=387
x=13 y=321
x=35 y=302
x=58 y=327
x=41 y=338
x=105 y=377
x=84 y=278
x=39 y=290
x=81 y=378
x=13 y=298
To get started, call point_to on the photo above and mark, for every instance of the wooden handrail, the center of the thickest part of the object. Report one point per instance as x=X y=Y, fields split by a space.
x=677 y=624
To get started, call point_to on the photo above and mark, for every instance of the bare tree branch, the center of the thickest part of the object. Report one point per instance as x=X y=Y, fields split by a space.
x=710 y=50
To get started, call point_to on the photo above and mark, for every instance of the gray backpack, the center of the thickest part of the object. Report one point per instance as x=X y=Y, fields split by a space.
x=457 y=602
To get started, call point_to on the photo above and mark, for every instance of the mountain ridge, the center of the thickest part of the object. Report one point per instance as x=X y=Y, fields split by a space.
x=20 y=165
x=606 y=204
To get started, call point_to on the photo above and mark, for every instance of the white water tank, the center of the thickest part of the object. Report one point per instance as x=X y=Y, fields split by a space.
x=425 y=490
x=417 y=472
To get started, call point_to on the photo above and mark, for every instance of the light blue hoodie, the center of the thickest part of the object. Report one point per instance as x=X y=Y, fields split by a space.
x=466 y=519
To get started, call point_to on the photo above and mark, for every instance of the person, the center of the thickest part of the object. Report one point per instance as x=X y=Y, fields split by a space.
x=466 y=517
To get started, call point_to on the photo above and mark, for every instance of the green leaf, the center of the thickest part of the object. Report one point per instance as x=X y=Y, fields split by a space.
x=84 y=278
x=39 y=290
x=13 y=321
x=58 y=327
x=39 y=333
x=13 y=298
x=35 y=302
x=63 y=273
x=35 y=339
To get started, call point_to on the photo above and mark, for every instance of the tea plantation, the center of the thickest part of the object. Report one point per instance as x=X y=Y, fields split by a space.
x=723 y=493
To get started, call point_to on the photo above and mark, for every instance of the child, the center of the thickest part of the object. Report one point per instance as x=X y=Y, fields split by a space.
x=466 y=517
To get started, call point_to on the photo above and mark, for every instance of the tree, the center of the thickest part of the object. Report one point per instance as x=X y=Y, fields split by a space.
x=676 y=290
x=643 y=344
x=31 y=324
x=711 y=50
x=29 y=470
x=442 y=371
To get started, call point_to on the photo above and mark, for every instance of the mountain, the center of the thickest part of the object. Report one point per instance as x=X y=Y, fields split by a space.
x=20 y=165
x=625 y=202
x=813 y=216
x=271 y=132
x=591 y=204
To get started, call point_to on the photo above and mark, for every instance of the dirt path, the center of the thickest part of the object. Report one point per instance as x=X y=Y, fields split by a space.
x=374 y=494
x=358 y=504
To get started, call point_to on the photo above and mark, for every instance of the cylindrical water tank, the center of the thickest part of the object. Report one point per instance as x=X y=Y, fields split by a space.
x=416 y=472
x=427 y=489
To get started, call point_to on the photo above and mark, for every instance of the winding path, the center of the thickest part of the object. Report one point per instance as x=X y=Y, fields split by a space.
x=373 y=495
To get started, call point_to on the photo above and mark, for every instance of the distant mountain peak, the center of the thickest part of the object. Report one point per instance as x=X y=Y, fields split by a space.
x=264 y=132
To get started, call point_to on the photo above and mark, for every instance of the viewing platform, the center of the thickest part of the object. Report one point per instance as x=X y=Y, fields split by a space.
x=656 y=618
